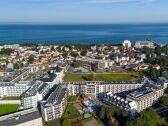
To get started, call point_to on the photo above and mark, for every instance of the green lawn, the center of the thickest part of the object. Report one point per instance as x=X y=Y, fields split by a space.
x=8 y=108
x=55 y=122
x=100 y=77
x=70 y=109
x=11 y=98
x=72 y=98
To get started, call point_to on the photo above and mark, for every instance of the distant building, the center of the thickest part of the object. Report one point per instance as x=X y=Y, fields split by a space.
x=127 y=44
x=6 y=72
x=30 y=117
x=10 y=66
x=141 y=44
x=13 y=46
x=34 y=94
x=54 y=106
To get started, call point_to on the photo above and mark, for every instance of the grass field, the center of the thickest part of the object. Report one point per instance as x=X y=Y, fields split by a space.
x=8 y=108
x=11 y=98
x=100 y=77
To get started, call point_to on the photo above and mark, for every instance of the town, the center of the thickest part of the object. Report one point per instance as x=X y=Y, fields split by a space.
x=82 y=85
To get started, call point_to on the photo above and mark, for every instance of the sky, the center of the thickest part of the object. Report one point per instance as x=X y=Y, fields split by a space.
x=83 y=11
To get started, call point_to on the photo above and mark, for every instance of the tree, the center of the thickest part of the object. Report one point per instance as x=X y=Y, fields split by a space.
x=154 y=74
x=95 y=68
x=147 y=117
x=166 y=91
x=7 y=51
x=83 y=53
x=77 y=64
x=16 y=66
x=88 y=77
x=74 y=54
x=31 y=58
x=148 y=50
x=163 y=101
x=65 y=54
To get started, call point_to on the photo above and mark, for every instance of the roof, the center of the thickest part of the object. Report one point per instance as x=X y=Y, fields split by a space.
x=49 y=78
x=19 y=118
x=156 y=65
x=56 y=96
x=38 y=87
x=57 y=69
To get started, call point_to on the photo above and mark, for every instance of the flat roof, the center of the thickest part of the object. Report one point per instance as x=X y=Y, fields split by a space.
x=19 y=118
x=37 y=87
x=57 y=95
x=104 y=82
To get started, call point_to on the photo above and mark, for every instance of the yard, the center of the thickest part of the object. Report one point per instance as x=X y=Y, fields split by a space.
x=100 y=77
x=70 y=109
x=8 y=108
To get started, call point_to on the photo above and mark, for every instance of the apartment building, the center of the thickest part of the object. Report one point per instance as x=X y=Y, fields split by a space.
x=93 y=89
x=54 y=106
x=145 y=97
x=141 y=44
x=8 y=89
x=135 y=101
x=34 y=94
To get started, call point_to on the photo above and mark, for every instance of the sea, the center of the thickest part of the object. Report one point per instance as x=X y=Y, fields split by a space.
x=82 y=33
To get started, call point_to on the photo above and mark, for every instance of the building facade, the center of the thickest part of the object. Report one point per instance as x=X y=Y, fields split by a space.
x=54 y=106
x=94 y=89
x=9 y=89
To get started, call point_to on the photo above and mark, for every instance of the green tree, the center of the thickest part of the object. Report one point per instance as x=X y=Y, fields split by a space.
x=166 y=91
x=154 y=74
x=88 y=77
x=65 y=54
x=84 y=52
x=16 y=66
x=147 y=118
x=77 y=64
x=7 y=51
x=163 y=101
x=74 y=54
x=31 y=58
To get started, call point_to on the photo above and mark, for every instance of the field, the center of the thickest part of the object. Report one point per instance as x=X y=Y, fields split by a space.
x=8 y=108
x=11 y=98
x=100 y=77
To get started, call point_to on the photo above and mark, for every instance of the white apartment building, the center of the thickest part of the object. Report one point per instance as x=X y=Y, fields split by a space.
x=34 y=94
x=135 y=101
x=8 y=89
x=141 y=44
x=145 y=97
x=12 y=46
x=95 y=88
x=54 y=106
x=126 y=43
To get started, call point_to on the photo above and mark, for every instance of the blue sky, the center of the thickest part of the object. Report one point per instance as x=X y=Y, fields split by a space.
x=83 y=11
